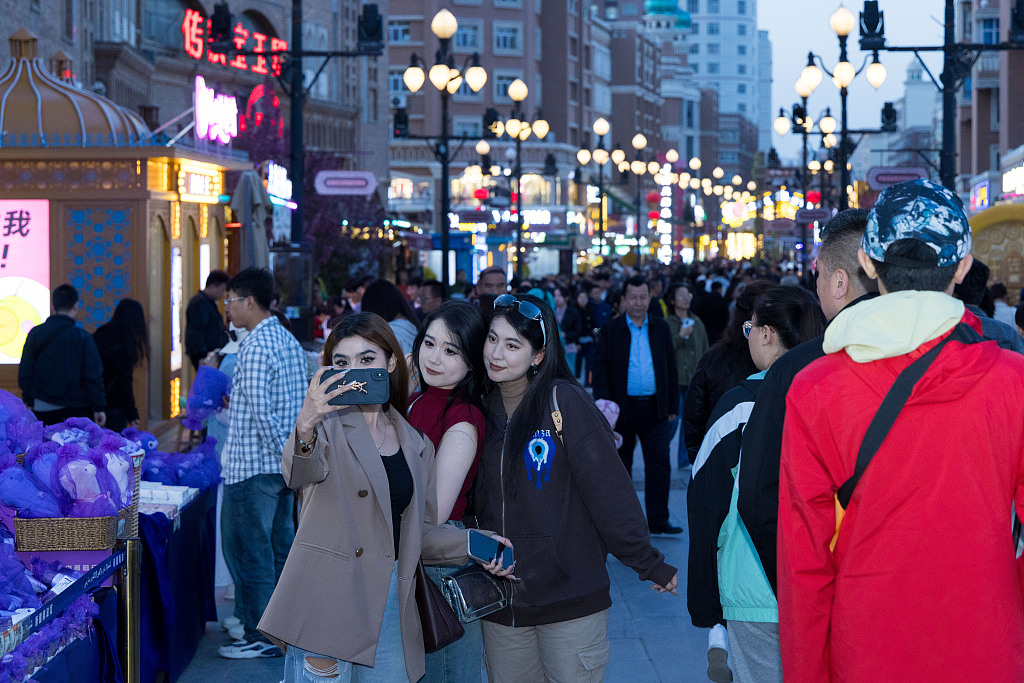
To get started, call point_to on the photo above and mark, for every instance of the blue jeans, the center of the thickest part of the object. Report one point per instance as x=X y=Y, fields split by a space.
x=388 y=663
x=257 y=530
x=459 y=662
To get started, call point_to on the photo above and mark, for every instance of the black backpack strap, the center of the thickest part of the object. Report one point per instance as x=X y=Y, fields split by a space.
x=893 y=403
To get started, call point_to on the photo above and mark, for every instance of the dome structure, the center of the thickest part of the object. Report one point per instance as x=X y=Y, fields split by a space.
x=39 y=109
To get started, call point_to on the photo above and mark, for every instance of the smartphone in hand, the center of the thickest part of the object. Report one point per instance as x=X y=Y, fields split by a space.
x=370 y=386
x=483 y=548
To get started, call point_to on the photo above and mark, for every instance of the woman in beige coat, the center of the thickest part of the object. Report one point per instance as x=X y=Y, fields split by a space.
x=344 y=606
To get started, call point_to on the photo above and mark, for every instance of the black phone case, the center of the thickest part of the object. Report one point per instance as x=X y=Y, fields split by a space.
x=373 y=386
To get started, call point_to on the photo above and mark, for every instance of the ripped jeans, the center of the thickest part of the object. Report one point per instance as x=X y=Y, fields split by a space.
x=388 y=665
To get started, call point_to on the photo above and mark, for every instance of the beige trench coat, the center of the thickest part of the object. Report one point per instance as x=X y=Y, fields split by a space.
x=330 y=598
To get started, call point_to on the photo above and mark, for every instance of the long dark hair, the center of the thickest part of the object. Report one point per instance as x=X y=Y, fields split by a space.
x=670 y=295
x=128 y=327
x=793 y=312
x=731 y=351
x=536 y=402
x=385 y=299
x=373 y=329
x=468 y=329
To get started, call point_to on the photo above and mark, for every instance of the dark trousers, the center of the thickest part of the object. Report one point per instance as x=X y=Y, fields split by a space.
x=639 y=418
x=585 y=355
x=52 y=417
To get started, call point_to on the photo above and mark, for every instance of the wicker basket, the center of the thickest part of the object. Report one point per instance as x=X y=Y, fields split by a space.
x=131 y=522
x=65 y=533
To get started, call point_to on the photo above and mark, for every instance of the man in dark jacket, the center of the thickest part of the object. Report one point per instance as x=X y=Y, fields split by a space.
x=204 y=325
x=841 y=283
x=972 y=291
x=61 y=374
x=635 y=367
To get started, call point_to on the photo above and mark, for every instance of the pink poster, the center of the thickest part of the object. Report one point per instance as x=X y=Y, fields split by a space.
x=24 y=272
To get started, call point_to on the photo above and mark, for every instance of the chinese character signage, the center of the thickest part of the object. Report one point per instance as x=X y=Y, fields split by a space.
x=24 y=272
x=979 y=195
x=216 y=114
x=195 y=29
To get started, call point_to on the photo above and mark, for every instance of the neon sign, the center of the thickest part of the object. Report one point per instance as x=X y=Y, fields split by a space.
x=216 y=114
x=278 y=184
x=200 y=183
x=195 y=29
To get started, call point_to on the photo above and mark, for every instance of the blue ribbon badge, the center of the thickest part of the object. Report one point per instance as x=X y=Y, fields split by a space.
x=538 y=455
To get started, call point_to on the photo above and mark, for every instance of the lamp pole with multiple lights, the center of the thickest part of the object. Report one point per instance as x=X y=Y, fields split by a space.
x=842 y=23
x=600 y=157
x=519 y=129
x=447 y=79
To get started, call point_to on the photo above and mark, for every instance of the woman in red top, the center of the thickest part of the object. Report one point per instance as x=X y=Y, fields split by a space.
x=448 y=355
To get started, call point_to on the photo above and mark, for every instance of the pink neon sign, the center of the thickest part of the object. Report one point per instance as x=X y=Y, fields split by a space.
x=195 y=29
x=216 y=114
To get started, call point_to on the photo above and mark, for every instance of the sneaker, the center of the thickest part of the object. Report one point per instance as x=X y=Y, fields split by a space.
x=243 y=649
x=229 y=592
x=718 y=655
x=665 y=529
x=227 y=623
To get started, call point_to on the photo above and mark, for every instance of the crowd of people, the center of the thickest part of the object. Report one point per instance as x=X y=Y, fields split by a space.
x=853 y=460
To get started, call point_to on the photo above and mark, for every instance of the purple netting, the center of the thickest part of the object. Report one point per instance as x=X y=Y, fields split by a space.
x=23 y=492
x=147 y=440
x=161 y=467
x=40 y=459
x=206 y=396
x=199 y=468
x=19 y=427
x=86 y=487
x=74 y=430
x=52 y=573
x=15 y=588
x=115 y=453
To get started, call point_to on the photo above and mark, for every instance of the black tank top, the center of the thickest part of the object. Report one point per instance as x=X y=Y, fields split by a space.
x=401 y=487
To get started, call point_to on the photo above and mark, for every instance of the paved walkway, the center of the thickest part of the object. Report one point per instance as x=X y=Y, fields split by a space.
x=651 y=636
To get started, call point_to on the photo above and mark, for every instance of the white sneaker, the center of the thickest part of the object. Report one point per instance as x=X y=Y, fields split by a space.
x=227 y=623
x=718 y=655
x=243 y=649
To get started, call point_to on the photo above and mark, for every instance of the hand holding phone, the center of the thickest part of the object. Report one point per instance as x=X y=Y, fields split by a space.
x=486 y=549
x=361 y=386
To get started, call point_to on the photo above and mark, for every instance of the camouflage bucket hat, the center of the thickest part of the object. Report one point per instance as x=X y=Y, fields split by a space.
x=920 y=210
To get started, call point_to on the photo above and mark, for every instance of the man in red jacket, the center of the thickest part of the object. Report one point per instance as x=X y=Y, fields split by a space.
x=920 y=581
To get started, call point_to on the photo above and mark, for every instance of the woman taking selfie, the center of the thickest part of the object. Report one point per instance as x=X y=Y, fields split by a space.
x=448 y=353
x=559 y=491
x=344 y=604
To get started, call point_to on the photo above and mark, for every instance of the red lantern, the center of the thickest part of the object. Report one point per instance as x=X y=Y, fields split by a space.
x=480 y=193
x=813 y=196
x=514 y=197
x=653 y=197
x=654 y=215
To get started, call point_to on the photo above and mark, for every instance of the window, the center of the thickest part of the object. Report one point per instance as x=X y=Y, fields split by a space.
x=713 y=67
x=689 y=118
x=695 y=49
x=508 y=4
x=468 y=36
x=741 y=50
x=395 y=82
x=693 y=6
x=729 y=157
x=696 y=67
x=691 y=148
x=501 y=83
x=630 y=10
x=713 y=6
x=741 y=29
x=741 y=7
x=398 y=32
x=989 y=32
x=714 y=29
x=730 y=136
x=695 y=28
x=468 y=126
x=714 y=48
x=741 y=108
x=507 y=38
x=466 y=93
x=741 y=69
x=741 y=88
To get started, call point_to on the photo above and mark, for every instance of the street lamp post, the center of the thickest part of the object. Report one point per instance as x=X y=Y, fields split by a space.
x=600 y=156
x=447 y=80
x=519 y=129
x=638 y=167
x=800 y=120
x=842 y=23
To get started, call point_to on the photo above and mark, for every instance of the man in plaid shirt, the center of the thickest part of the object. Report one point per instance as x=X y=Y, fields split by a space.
x=269 y=387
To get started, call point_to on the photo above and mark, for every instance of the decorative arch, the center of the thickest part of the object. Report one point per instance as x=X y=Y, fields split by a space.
x=998 y=240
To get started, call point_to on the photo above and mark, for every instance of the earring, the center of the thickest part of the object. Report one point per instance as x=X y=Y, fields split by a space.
x=533 y=370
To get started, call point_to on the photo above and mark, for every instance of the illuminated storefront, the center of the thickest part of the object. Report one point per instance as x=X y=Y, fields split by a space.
x=111 y=214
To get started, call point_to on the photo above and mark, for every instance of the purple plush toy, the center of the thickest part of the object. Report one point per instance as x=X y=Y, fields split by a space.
x=206 y=396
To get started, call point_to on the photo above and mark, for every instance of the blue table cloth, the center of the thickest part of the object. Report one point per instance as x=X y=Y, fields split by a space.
x=178 y=564
x=90 y=660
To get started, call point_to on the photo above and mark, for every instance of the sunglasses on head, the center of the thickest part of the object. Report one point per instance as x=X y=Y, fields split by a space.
x=525 y=309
